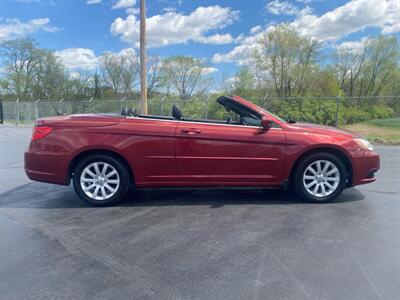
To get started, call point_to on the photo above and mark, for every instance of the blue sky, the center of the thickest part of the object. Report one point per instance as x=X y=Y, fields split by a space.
x=222 y=32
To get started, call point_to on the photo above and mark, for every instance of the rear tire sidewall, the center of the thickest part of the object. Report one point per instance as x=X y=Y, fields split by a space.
x=298 y=177
x=120 y=168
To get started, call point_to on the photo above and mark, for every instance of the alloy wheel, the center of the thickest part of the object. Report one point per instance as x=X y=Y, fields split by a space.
x=99 y=181
x=321 y=178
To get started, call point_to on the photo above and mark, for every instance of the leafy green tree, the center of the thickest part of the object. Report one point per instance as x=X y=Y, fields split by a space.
x=287 y=58
x=20 y=57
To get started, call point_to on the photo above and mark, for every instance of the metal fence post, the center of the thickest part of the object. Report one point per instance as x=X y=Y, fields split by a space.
x=337 y=112
x=17 y=112
x=162 y=106
x=120 y=106
x=90 y=105
x=60 y=105
x=208 y=98
x=37 y=109
x=1 y=112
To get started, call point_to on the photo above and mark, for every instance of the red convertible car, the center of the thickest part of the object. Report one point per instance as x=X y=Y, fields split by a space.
x=105 y=154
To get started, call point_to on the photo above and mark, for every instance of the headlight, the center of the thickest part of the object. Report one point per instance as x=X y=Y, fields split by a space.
x=364 y=144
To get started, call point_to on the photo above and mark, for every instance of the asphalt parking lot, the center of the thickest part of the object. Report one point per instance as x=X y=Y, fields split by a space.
x=196 y=244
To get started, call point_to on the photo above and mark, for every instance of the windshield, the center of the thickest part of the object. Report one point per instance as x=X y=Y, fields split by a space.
x=274 y=115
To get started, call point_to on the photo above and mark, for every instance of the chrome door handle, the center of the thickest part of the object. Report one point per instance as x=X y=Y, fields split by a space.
x=190 y=130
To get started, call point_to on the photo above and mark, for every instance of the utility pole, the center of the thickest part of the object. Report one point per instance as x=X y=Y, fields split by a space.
x=143 y=58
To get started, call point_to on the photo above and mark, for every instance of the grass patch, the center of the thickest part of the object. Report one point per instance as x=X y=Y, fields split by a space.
x=392 y=122
x=379 y=134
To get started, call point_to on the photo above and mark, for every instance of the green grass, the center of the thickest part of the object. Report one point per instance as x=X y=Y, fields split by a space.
x=382 y=131
x=392 y=122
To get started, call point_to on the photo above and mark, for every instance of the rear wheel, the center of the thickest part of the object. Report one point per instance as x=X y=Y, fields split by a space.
x=101 y=180
x=320 y=177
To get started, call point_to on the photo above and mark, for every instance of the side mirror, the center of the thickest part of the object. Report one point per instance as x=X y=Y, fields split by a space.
x=266 y=123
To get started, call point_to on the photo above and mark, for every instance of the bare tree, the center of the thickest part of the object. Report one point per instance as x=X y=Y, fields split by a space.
x=153 y=75
x=383 y=57
x=347 y=66
x=120 y=71
x=187 y=75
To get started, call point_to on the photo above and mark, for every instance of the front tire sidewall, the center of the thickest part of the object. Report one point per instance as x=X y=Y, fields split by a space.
x=122 y=172
x=298 y=177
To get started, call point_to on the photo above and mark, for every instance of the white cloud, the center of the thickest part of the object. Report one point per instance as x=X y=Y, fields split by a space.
x=277 y=7
x=256 y=29
x=15 y=28
x=86 y=59
x=352 y=46
x=177 y=28
x=93 y=2
x=209 y=70
x=124 y=4
x=133 y=11
x=243 y=53
x=74 y=75
x=78 y=58
x=352 y=17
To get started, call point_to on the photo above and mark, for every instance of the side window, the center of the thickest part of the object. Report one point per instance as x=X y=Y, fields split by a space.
x=249 y=121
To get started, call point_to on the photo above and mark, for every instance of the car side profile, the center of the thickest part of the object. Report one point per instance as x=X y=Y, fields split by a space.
x=104 y=155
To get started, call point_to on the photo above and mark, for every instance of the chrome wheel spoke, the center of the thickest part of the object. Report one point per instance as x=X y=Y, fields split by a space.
x=97 y=169
x=104 y=170
x=335 y=179
x=96 y=191
x=310 y=169
x=329 y=186
x=112 y=173
x=333 y=171
x=103 y=192
x=90 y=180
x=311 y=184
x=88 y=188
x=323 y=191
x=327 y=165
x=113 y=181
x=90 y=173
x=319 y=167
x=109 y=188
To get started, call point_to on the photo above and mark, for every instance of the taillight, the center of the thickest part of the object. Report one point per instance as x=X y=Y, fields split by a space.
x=40 y=132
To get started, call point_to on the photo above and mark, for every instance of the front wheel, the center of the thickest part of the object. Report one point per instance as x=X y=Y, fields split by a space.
x=101 y=180
x=320 y=177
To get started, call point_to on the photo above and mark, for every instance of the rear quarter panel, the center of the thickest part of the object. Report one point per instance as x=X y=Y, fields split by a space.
x=146 y=145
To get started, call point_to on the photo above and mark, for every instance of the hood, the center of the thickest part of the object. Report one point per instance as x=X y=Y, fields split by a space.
x=83 y=120
x=322 y=129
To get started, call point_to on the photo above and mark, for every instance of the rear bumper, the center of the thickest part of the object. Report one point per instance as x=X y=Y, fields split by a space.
x=46 y=167
x=365 y=167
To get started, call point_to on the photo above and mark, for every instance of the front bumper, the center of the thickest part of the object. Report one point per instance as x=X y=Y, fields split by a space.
x=364 y=167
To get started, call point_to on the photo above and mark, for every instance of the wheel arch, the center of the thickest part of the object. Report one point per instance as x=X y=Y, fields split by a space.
x=332 y=150
x=89 y=152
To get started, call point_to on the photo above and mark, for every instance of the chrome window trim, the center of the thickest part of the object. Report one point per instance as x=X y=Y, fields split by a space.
x=208 y=123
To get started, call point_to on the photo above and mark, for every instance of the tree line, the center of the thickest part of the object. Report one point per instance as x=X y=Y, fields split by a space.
x=31 y=73
x=284 y=65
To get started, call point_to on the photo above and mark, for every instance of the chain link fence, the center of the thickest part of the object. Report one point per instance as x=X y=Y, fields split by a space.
x=320 y=110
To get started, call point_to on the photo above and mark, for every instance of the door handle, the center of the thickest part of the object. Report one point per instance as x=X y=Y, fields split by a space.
x=190 y=131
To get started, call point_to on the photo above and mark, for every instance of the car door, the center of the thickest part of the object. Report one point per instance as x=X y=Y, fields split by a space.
x=223 y=154
x=150 y=147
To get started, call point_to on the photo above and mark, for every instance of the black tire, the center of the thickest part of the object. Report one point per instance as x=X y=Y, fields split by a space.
x=118 y=165
x=301 y=190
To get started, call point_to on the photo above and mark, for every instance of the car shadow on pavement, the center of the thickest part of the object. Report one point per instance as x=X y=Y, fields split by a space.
x=41 y=195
